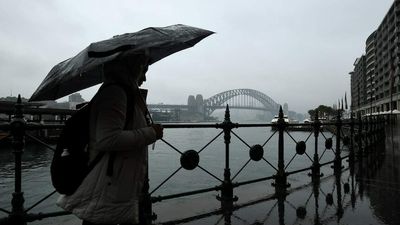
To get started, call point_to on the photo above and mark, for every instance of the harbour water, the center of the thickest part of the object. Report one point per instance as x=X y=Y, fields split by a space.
x=369 y=194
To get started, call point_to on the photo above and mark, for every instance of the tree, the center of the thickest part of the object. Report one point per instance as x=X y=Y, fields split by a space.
x=323 y=111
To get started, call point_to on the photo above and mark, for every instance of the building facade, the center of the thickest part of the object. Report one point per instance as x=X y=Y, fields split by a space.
x=375 y=85
x=74 y=100
x=358 y=80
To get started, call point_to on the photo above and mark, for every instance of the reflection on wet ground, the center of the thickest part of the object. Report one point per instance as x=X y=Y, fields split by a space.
x=365 y=192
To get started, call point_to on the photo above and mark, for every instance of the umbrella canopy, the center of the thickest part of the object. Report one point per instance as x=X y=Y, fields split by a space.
x=85 y=69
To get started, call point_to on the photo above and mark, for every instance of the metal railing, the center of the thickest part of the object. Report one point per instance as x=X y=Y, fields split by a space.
x=355 y=135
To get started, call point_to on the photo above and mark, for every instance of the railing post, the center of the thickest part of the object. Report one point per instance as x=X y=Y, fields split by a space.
x=316 y=166
x=383 y=130
x=17 y=215
x=353 y=192
x=146 y=212
x=368 y=132
x=227 y=197
x=351 y=155
x=340 y=210
x=373 y=129
x=316 y=197
x=280 y=177
x=360 y=138
x=338 y=160
x=372 y=132
x=377 y=129
x=281 y=208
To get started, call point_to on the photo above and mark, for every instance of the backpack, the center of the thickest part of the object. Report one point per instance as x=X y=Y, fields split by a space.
x=70 y=164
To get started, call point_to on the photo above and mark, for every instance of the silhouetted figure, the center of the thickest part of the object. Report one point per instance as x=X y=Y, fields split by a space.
x=112 y=191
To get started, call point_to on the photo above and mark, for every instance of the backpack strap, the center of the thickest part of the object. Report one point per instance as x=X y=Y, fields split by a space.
x=128 y=118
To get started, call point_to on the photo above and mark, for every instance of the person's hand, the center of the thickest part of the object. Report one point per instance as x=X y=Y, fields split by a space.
x=158 y=128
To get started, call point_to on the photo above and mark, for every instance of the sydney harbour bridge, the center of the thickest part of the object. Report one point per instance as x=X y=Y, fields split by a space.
x=248 y=99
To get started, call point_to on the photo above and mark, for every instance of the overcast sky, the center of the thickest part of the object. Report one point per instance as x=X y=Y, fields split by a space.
x=295 y=51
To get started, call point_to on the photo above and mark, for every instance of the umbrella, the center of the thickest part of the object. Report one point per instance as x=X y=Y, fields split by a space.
x=85 y=69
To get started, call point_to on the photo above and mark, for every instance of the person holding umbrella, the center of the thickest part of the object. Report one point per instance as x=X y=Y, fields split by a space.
x=112 y=199
x=111 y=192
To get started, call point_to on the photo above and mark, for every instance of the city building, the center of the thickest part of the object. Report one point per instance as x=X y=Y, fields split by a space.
x=74 y=100
x=375 y=85
x=358 y=80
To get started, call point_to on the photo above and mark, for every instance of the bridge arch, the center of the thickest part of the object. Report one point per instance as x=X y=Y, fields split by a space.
x=214 y=102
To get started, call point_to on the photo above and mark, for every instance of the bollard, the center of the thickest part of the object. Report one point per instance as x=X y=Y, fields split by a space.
x=17 y=215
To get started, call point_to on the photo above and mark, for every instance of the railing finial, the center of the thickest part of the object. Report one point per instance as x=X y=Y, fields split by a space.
x=18 y=108
x=280 y=112
x=227 y=114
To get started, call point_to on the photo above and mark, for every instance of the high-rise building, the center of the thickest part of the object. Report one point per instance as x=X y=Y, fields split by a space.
x=358 y=80
x=375 y=85
x=370 y=64
x=191 y=103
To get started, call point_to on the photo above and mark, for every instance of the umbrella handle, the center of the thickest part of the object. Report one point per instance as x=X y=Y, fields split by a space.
x=145 y=106
x=147 y=113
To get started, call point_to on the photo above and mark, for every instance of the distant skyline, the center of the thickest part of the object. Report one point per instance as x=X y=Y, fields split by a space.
x=296 y=52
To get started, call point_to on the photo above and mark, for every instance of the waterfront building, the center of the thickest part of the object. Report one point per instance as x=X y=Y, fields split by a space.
x=375 y=85
x=74 y=100
x=199 y=104
x=191 y=103
x=196 y=105
x=358 y=80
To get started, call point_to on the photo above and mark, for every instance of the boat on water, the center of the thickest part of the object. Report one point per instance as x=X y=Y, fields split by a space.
x=274 y=121
x=294 y=124
x=276 y=117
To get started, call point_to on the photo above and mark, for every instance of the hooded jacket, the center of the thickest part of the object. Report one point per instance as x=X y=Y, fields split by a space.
x=113 y=199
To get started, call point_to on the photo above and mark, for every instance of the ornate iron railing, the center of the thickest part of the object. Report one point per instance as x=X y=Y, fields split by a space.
x=355 y=135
